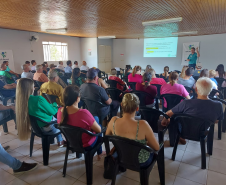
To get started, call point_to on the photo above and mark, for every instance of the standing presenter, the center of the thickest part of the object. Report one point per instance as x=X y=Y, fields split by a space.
x=193 y=57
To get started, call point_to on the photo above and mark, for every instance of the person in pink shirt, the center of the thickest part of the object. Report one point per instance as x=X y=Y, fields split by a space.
x=173 y=87
x=154 y=80
x=70 y=114
x=39 y=75
x=135 y=75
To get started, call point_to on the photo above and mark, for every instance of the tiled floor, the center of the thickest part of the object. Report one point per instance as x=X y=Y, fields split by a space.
x=185 y=170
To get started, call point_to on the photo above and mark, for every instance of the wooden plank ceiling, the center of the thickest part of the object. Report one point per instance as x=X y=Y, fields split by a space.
x=120 y=18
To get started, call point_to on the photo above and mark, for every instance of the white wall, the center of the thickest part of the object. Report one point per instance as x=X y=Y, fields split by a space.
x=212 y=51
x=18 y=42
x=89 y=45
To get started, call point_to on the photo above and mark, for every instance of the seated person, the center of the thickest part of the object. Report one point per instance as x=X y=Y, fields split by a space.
x=52 y=88
x=44 y=67
x=28 y=64
x=80 y=118
x=47 y=66
x=137 y=130
x=205 y=73
x=182 y=75
x=39 y=75
x=150 y=89
x=33 y=67
x=76 y=78
x=17 y=166
x=220 y=73
x=26 y=72
x=187 y=80
x=52 y=67
x=7 y=112
x=60 y=65
x=135 y=75
x=7 y=90
x=68 y=69
x=8 y=77
x=165 y=75
x=27 y=104
x=120 y=84
x=94 y=92
x=75 y=65
x=9 y=70
x=202 y=107
x=100 y=81
x=154 y=80
x=84 y=66
x=128 y=70
x=148 y=67
x=212 y=74
x=198 y=69
x=173 y=87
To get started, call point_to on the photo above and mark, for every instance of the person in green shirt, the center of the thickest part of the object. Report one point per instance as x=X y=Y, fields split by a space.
x=193 y=57
x=38 y=106
x=3 y=72
x=9 y=70
x=76 y=77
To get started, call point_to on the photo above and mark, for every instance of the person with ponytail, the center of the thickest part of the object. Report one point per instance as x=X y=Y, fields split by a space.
x=150 y=89
x=38 y=106
x=173 y=87
x=137 y=130
x=165 y=75
x=71 y=114
x=220 y=73
x=135 y=75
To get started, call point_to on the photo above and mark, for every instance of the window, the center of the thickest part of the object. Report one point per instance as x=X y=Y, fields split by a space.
x=55 y=51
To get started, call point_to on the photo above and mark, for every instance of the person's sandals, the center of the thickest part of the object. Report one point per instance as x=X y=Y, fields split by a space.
x=26 y=167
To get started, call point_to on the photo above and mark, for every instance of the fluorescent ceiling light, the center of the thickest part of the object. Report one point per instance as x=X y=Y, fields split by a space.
x=60 y=30
x=186 y=33
x=163 y=21
x=106 y=37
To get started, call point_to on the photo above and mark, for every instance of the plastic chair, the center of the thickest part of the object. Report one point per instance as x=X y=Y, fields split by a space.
x=67 y=75
x=158 y=95
x=191 y=92
x=114 y=93
x=152 y=117
x=5 y=99
x=177 y=71
x=221 y=123
x=8 y=118
x=132 y=85
x=50 y=98
x=33 y=71
x=94 y=108
x=195 y=129
x=157 y=75
x=214 y=92
x=113 y=83
x=128 y=151
x=124 y=78
x=142 y=97
x=73 y=136
x=171 y=99
x=39 y=83
x=196 y=78
x=46 y=139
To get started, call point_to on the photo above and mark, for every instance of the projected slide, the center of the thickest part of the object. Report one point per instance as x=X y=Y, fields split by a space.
x=160 y=47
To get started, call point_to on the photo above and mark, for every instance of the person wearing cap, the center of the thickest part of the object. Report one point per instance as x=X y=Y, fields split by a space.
x=92 y=91
x=193 y=57
x=198 y=69
x=26 y=72
x=52 y=88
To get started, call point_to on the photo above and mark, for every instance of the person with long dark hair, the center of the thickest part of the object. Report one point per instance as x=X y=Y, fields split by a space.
x=220 y=71
x=71 y=114
x=76 y=77
x=150 y=89
x=165 y=75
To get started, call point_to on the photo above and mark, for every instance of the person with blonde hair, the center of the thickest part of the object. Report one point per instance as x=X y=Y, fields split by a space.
x=173 y=87
x=182 y=75
x=202 y=107
x=138 y=130
x=212 y=74
x=135 y=75
x=27 y=104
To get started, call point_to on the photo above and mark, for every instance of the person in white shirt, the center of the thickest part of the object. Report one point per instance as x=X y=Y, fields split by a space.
x=26 y=73
x=61 y=65
x=84 y=67
x=75 y=65
x=33 y=67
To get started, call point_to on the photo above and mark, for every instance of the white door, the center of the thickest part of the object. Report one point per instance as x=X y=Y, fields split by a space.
x=104 y=58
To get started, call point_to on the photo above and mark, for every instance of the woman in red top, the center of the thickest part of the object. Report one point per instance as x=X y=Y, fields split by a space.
x=150 y=89
x=135 y=75
x=70 y=114
x=120 y=84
